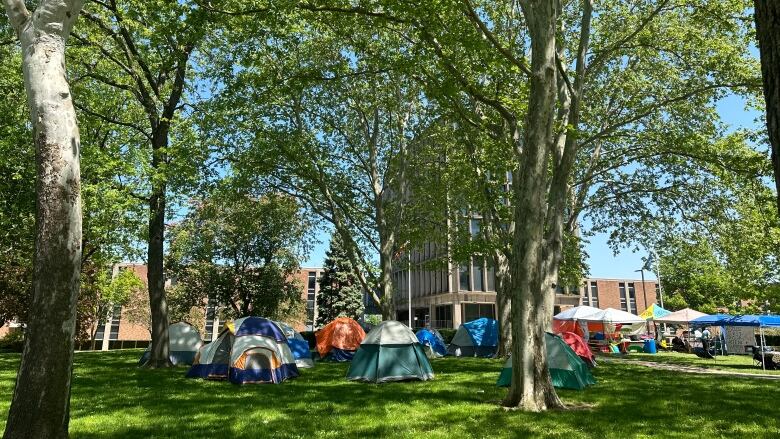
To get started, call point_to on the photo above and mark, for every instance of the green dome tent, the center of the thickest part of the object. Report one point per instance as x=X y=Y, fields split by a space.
x=390 y=352
x=567 y=370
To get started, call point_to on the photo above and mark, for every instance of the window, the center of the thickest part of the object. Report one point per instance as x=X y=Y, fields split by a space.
x=622 y=289
x=475 y=227
x=632 y=298
x=311 y=297
x=585 y=296
x=473 y=311
x=491 y=276
x=115 y=319
x=465 y=279
x=210 y=312
x=479 y=283
x=443 y=316
x=594 y=294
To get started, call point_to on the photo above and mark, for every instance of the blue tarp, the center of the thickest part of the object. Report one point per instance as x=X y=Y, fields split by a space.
x=741 y=320
x=483 y=332
x=427 y=337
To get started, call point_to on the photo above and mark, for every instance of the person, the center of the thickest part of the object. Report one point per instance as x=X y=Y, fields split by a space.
x=705 y=339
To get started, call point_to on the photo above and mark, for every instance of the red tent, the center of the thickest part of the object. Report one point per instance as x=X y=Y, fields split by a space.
x=578 y=345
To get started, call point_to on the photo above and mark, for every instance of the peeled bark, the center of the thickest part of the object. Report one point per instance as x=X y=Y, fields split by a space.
x=531 y=387
x=159 y=355
x=41 y=399
x=767 y=14
x=503 y=304
x=386 y=279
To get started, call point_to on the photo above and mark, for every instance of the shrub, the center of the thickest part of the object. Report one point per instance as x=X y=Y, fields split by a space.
x=447 y=334
x=13 y=341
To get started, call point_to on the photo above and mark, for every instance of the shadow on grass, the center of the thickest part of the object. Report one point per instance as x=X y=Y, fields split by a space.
x=114 y=398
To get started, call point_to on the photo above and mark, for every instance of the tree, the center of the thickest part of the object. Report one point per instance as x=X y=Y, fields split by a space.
x=142 y=54
x=767 y=15
x=241 y=252
x=340 y=292
x=41 y=398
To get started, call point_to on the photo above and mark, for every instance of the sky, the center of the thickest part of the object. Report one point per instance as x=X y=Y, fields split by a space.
x=602 y=261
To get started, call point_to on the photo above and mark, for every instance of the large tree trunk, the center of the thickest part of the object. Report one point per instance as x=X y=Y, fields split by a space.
x=41 y=399
x=768 y=33
x=386 y=279
x=503 y=304
x=159 y=356
x=531 y=387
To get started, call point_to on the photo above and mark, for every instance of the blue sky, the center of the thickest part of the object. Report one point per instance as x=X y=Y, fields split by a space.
x=602 y=261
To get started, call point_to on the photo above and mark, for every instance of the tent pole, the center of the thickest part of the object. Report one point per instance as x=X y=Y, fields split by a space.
x=761 y=336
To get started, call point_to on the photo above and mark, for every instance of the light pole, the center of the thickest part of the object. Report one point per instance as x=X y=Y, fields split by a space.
x=409 y=289
x=657 y=261
x=644 y=290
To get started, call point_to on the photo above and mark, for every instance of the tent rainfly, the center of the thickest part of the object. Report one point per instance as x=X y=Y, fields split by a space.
x=475 y=338
x=390 y=352
x=432 y=342
x=567 y=370
x=339 y=339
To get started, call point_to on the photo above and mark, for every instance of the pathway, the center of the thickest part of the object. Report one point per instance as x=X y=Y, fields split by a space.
x=690 y=369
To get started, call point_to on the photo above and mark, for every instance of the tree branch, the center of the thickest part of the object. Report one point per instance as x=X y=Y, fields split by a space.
x=18 y=15
x=491 y=37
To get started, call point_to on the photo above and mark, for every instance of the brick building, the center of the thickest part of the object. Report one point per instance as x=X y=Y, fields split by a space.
x=121 y=330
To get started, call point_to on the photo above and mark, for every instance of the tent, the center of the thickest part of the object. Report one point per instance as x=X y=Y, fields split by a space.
x=681 y=317
x=183 y=344
x=298 y=345
x=213 y=359
x=654 y=312
x=432 y=342
x=757 y=321
x=475 y=338
x=390 y=352
x=614 y=316
x=248 y=350
x=339 y=339
x=567 y=370
x=576 y=313
x=578 y=345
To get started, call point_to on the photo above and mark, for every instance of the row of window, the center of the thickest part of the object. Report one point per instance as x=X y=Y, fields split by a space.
x=591 y=297
x=443 y=314
x=311 y=294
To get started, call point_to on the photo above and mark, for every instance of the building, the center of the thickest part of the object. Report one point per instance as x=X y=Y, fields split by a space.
x=122 y=331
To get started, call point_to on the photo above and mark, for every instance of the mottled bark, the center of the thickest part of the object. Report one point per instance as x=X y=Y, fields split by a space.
x=531 y=387
x=159 y=356
x=767 y=14
x=41 y=399
x=503 y=304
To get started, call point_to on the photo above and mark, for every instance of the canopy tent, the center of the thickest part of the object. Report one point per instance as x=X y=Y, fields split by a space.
x=390 y=352
x=654 y=312
x=183 y=344
x=681 y=317
x=752 y=320
x=339 y=339
x=577 y=313
x=248 y=350
x=432 y=342
x=612 y=315
x=475 y=338
x=298 y=345
x=567 y=370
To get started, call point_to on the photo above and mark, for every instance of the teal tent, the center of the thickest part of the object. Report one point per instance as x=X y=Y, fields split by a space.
x=390 y=352
x=567 y=370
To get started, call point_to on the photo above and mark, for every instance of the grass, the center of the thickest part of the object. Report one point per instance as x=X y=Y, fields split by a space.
x=732 y=363
x=113 y=398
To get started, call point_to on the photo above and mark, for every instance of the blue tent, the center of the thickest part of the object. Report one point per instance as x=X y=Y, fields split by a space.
x=740 y=320
x=433 y=340
x=475 y=338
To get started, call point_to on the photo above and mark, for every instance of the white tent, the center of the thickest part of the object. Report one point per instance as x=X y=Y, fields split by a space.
x=577 y=313
x=183 y=343
x=612 y=315
x=681 y=317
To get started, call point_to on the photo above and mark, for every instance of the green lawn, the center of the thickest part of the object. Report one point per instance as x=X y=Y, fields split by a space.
x=113 y=398
x=733 y=363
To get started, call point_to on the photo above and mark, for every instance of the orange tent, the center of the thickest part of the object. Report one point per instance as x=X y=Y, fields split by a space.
x=342 y=333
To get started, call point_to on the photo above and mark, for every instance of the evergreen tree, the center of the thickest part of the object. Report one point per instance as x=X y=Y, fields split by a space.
x=340 y=294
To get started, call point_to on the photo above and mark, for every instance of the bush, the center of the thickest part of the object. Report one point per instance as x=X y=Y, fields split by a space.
x=447 y=334
x=770 y=340
x=13 y=341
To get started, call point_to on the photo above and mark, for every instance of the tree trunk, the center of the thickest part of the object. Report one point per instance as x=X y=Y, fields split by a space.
x=156 y=277
x=503 y=304
x=768 y=33
x=386 y=279
x=41 y=399
x=531 y=387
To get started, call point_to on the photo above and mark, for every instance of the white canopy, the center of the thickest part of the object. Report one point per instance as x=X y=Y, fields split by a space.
x=612 y=315
x=390 y=332
x=577 y=313
x=681 y=317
